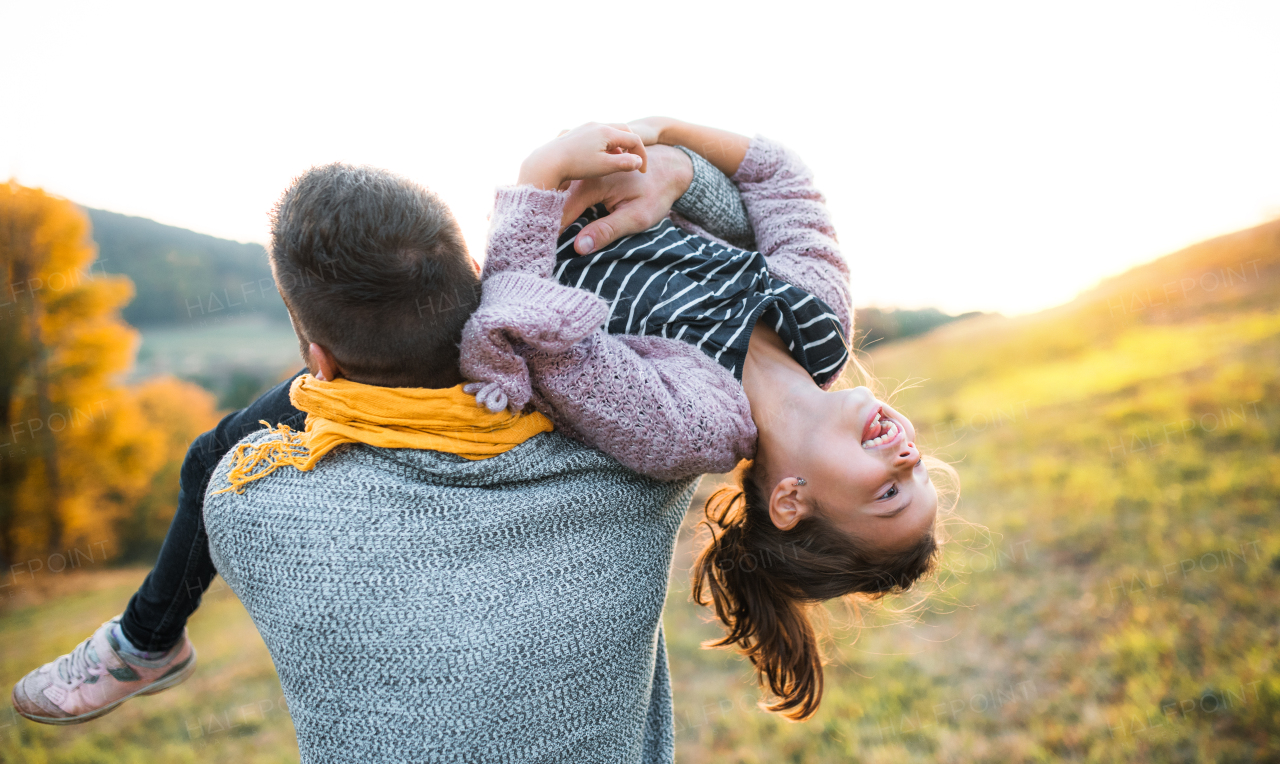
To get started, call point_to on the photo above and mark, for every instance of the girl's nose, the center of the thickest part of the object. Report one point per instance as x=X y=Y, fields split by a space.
x=907 y=455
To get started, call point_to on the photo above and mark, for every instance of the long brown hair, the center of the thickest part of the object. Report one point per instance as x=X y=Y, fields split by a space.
x=762 y=581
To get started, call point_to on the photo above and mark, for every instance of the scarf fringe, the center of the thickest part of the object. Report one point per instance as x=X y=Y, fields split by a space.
x=254 y=461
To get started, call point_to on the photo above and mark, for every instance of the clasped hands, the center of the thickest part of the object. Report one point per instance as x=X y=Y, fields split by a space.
x=623 y=166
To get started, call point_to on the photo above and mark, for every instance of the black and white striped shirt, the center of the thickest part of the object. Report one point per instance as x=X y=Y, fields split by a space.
x=669 y=283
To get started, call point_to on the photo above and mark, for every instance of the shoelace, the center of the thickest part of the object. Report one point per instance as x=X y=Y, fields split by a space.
x=82 y=663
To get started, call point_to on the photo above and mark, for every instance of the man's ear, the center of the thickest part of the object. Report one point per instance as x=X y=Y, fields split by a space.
x=786 y=505
x=321 y=363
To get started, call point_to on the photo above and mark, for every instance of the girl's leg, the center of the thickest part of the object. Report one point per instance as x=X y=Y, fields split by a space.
x=146 y=650
x=158 y=612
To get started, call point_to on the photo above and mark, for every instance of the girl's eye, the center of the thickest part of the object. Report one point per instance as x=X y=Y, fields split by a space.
x=889 y=494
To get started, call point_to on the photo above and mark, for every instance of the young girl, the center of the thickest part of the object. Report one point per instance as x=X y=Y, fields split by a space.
x=678 y=354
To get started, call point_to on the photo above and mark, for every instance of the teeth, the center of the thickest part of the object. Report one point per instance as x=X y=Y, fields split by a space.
x=888 y=435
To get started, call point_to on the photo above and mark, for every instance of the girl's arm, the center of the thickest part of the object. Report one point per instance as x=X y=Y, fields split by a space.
x=659 y=406
x=788 y=214
x=721 y=148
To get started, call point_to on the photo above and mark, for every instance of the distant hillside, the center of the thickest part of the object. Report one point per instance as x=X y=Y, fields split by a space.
x=1241 y=270
x=1226 y=276
x=875 y=327
x=183 y=277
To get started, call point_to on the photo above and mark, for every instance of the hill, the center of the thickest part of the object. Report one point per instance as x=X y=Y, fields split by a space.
x=183 y=277
x=1116 y=601
x=207 y=307
x=875 y=327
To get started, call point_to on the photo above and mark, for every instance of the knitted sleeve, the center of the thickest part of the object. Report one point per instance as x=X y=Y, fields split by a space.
x=659 y=406
x=523 y=228
x=713 y=202
x=792 y=227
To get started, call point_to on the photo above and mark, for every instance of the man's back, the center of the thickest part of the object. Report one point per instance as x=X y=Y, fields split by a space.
x=422 y=607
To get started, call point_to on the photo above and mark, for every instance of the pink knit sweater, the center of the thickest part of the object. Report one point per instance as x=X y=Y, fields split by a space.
x=659 y=406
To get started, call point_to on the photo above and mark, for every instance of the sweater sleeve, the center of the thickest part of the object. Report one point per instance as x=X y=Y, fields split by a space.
x=713 y=203
x=792 y=227
x=659 y=406
x=523 y=229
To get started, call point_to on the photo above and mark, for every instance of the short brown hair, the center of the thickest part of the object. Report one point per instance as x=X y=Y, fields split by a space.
x=374 y=268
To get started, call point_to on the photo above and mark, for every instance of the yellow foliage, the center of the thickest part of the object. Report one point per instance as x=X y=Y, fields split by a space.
x=78 y=452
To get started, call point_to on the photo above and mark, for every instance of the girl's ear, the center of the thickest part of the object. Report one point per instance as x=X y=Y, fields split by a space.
x=786 y=504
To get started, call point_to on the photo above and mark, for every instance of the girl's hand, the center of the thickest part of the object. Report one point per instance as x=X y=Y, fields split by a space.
x=650 y=128
x=590 y=151
x=635 y=202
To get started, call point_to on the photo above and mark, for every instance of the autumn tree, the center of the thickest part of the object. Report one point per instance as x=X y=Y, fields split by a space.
x=78 y=450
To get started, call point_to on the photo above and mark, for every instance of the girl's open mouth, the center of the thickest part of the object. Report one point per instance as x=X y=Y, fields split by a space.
x=879 y=430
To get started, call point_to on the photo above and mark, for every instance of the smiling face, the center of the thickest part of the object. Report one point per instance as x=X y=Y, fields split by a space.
x=863 y=469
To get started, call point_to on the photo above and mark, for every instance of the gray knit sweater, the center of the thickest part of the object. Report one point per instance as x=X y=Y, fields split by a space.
x=421 y=607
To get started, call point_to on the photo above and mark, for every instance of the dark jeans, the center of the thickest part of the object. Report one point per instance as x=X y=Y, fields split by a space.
x=158 y=611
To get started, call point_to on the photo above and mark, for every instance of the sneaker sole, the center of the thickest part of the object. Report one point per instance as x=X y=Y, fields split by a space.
x=160 y=685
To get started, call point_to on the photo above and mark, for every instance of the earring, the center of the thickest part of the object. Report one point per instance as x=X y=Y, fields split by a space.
x=801 y=481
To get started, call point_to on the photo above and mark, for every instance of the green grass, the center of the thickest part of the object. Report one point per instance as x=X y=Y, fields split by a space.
x=1116 y=602
x=229 y=711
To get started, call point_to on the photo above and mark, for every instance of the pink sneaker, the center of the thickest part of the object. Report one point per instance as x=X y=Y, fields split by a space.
x=96 y=677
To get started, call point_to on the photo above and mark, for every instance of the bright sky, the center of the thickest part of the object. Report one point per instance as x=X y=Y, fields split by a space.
x=976 y=156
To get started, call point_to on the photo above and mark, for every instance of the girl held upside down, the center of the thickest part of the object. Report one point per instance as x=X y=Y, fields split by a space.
x=679 y=354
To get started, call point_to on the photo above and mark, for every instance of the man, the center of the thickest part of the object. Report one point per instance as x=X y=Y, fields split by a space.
x=422 y=603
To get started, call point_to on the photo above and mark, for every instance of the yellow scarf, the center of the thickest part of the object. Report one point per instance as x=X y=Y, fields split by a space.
x=386 y=417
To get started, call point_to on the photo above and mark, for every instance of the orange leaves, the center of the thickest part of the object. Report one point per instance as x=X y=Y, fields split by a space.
x=79 y=454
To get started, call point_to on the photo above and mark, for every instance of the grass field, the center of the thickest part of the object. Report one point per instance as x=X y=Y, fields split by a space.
x=1115 y=598
x=229 y=711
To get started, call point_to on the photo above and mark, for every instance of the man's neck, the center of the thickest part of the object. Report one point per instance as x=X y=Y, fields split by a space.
x=439 y=381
